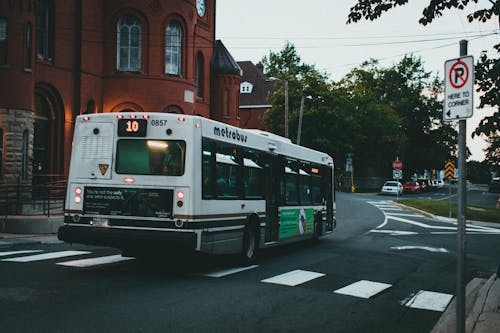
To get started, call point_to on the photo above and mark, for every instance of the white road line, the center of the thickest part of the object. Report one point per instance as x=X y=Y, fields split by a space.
x=4 y=254
x=394 y=232
x=429 y=300
x=405 y=214
x=293 y=278
x=95 y=261
x=425 y=248
x=225 y=272
x=46 y=256
x=363 y=289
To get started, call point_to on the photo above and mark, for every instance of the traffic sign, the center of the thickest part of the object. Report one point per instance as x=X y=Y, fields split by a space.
x=459 y=88
x=449 y=170
x=397 y=165
x=397 y=174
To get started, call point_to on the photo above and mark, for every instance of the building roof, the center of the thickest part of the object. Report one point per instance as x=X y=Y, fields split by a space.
x=223 y=62
x=262 y=85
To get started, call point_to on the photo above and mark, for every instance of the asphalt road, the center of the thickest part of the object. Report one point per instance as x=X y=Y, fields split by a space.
x=384 y=270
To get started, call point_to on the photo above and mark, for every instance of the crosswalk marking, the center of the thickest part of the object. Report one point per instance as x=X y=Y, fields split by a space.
x=293 y=278
x=363 y=289
x=95 y=261
x=229 y=271
x=46 y=256
x=428 y=300
x=10 y=253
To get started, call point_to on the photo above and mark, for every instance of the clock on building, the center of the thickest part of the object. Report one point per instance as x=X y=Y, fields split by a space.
x=200 y=7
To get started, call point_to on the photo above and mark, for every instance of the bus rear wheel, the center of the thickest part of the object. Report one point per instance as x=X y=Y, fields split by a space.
x=250 y=244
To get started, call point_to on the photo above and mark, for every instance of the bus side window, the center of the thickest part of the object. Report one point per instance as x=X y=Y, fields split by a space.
x=291 y=188
x=226 y=171
x=207 y=170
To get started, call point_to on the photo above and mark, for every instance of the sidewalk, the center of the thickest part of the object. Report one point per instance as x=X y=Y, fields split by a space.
x=9 y=240
x=482 y=308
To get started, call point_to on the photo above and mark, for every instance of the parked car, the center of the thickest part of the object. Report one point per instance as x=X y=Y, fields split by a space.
x=411 y=187
x=439 y=183
x=392 y=187
x=494 y=185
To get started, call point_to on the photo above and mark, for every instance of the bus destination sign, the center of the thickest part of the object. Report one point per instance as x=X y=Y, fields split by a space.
x=132 y=127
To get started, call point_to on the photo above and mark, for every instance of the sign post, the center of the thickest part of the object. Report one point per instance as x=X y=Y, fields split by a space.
x=458 y=98
x=397 y=173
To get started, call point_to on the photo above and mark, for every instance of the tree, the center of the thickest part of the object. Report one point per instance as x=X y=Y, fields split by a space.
x=375 y=113
x=487 y=70
x=400 y=116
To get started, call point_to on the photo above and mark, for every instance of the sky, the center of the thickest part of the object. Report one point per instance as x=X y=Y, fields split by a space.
x=318 y=30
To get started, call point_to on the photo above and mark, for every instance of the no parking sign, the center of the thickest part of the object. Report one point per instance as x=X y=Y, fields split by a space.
x=459 y=87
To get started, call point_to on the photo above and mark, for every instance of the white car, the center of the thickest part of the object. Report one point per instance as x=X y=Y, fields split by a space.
x=392 y=187
x=439 y=183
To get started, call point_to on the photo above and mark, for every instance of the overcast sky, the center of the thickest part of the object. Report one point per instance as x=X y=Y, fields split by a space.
x=317 y=28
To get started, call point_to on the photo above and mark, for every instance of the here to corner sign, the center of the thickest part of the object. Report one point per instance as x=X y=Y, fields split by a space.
x=458 y=88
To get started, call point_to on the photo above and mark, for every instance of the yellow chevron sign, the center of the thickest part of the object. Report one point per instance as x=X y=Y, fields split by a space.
x=449 y=170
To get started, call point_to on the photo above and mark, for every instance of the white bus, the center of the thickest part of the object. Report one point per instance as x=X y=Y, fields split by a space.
x=167 y=181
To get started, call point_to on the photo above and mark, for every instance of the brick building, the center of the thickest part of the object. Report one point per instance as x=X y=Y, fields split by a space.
x=255 y=88
x=62 y=58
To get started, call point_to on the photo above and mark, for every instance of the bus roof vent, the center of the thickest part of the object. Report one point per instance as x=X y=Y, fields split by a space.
x=270 y=135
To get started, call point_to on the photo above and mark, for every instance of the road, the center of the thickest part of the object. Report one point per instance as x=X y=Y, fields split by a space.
x=384 y=270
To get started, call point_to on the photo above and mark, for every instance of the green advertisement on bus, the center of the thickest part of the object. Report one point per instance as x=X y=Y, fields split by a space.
x=296 y=221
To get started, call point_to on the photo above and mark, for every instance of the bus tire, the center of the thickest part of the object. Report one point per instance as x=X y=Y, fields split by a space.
x=318 y=225
x=250 y=246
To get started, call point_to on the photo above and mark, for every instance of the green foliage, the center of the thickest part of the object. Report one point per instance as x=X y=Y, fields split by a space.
x=487 y=71
x=375 y=113
x=478 y=172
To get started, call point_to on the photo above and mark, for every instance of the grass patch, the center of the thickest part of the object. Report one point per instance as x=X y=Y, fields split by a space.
x=440 y=208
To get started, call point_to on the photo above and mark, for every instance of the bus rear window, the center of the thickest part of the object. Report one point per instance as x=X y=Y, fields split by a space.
x=151 y=157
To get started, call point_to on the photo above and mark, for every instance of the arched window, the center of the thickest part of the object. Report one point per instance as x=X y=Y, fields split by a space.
x=24 y=155
x=200 y=75
x=129 y=40
x=28 y=54
x=41 y=141
x=3 y=40
x=45 y=29
x=173 y=109
x=90 y=107
x=173 y=48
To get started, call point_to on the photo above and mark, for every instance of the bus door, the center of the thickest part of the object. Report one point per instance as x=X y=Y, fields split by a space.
x=330 y=200
x=273 y=176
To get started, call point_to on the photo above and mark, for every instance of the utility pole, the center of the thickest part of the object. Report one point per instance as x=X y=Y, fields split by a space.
x=299 y=131
x=461 y=228
x=286 y=109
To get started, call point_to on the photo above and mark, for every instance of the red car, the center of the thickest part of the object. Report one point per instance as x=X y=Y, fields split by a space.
x=411 y=187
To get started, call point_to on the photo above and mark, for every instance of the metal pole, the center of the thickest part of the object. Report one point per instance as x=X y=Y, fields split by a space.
x=299 y=131
x=286 y=109
x=461 y=229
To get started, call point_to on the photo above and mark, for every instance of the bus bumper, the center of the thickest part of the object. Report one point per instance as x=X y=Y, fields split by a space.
x=124 y=238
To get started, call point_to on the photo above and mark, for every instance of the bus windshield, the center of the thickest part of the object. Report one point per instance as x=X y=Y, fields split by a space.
x=150 y=157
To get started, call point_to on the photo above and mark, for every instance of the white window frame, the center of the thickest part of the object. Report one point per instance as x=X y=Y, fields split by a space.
x=130 y=60
x=173 y=48
x=246 y=88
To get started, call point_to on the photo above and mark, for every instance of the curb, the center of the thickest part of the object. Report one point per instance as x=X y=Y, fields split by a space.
x=481 y=302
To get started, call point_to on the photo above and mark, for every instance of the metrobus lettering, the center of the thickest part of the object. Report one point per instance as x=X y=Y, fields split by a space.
x=226 y=132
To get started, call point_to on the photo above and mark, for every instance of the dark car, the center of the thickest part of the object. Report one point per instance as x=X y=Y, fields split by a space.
x=494 y=185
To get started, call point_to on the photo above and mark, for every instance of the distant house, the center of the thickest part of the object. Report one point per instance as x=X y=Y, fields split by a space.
x=254 y=91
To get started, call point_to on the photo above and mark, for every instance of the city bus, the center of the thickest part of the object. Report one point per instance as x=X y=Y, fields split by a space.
x=165 y=182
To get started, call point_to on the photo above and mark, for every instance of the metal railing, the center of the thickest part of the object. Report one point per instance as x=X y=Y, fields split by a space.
x=44 y=197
